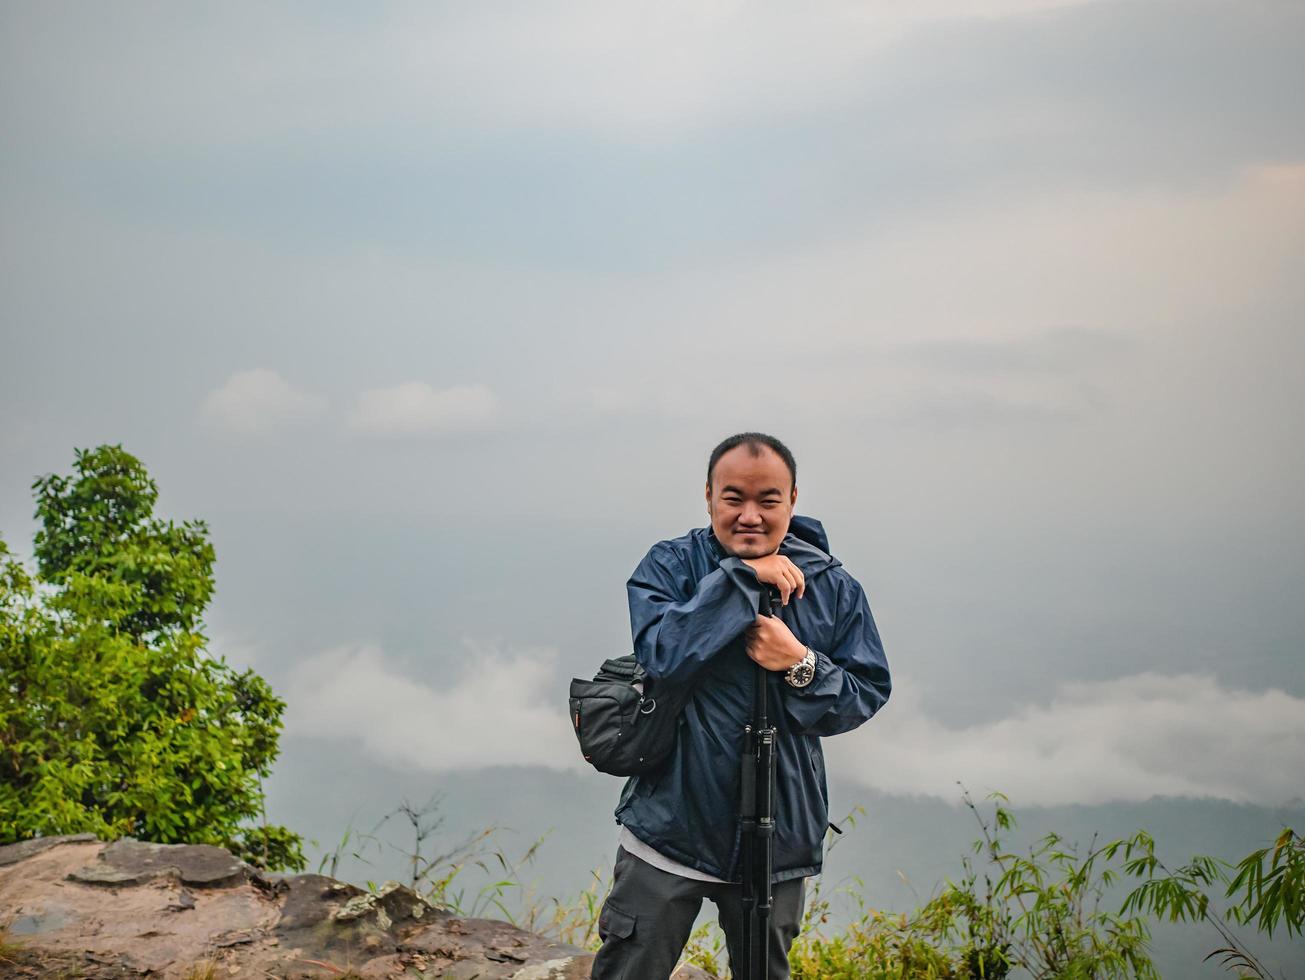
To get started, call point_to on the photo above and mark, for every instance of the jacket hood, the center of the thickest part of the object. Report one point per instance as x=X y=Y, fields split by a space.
x=811 y=531
x=806 y=545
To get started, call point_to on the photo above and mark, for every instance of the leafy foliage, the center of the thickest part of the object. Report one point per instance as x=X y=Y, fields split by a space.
x=1269 y=886
x=113 y=718
x=1274 y=894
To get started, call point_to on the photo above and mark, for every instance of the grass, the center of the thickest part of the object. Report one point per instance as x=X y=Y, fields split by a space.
x=203 y=970
x=9 y=946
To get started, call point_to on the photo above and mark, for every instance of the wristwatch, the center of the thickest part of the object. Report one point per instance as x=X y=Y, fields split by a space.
x=804 y=671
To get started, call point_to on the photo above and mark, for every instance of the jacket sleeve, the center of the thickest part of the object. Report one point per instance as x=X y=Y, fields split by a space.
x=679 y=624
x=851 y=681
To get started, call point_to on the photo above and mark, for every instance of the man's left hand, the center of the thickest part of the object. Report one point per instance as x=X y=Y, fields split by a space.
x=772 y=644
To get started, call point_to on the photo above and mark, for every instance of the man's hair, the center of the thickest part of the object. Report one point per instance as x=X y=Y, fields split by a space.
x=754 y=441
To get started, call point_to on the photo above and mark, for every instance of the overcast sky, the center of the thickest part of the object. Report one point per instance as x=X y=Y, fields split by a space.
x=435 y=311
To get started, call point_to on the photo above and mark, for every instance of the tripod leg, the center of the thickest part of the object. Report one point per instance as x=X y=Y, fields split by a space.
x=765 y=841
x=748 y=826
x=758 y=794
x=763 y=859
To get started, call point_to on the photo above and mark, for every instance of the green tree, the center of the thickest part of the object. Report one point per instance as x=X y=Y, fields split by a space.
x=114 y=719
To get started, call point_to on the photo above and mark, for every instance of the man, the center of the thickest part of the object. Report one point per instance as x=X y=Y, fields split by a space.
x=694 y=616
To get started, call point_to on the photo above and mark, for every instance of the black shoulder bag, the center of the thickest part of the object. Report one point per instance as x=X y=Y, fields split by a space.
x=626 y=721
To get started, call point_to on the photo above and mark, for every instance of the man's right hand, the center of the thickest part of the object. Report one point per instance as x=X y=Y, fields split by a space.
x=778 y=571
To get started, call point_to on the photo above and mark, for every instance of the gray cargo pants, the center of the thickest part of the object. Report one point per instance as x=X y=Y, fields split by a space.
x=649 y=914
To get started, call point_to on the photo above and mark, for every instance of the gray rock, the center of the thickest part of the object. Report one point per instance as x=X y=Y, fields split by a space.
x=566 y=968
x=184 y=902
x=49 y=920
x=133 y=862
x=13 y=853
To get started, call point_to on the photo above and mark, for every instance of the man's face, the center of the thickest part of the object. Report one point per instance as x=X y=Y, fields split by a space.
x=750 y=500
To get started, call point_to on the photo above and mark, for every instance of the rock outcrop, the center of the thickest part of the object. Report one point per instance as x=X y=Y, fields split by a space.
x=78 y=907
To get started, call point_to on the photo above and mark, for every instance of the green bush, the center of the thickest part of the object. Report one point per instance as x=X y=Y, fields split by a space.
x=114 y=719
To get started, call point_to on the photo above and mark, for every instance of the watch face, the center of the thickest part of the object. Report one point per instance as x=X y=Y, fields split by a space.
x=802 y=674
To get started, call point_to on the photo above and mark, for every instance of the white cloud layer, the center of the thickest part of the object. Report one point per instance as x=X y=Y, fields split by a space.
x=415 y=409
x=259 y=401
x=1130 y=738
x=1127 y=739
x=499 y=711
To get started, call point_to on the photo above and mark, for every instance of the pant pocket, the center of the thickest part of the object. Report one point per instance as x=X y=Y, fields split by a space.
x=614 y=923
x=616 y=958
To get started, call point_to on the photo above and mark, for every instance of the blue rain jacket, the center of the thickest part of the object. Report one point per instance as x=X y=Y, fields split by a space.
x=690 y=605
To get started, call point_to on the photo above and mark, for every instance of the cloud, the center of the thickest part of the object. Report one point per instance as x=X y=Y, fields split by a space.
x=259 y=401
x=415 y=408
x=498 y=711
x=1126 y=739
x=517 y=135
x=1057 y=351
x=976 y=408
x=630 y=69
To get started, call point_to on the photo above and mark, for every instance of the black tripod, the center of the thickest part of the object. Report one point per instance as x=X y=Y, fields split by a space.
x=757 y=820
